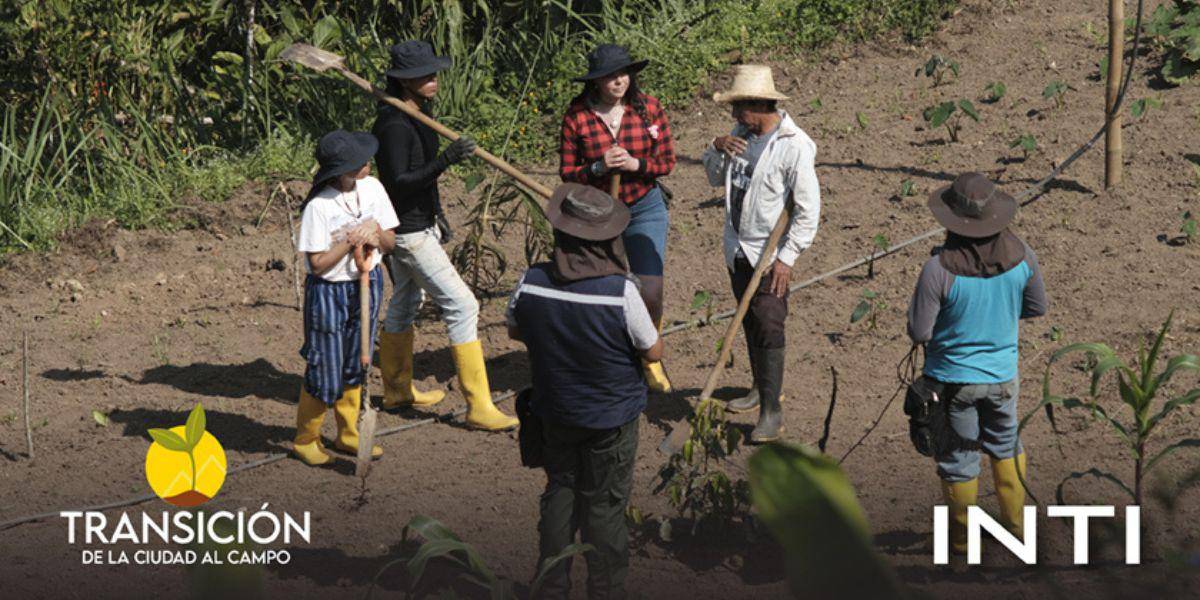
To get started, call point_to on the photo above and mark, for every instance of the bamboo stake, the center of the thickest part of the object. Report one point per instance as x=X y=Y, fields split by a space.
x=1112 y=138
x=25 y=390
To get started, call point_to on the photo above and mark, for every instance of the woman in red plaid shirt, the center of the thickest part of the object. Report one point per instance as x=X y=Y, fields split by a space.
x=613 y=129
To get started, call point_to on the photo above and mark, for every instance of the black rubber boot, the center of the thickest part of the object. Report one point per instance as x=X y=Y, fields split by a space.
x=770 y=415
x=748 y=402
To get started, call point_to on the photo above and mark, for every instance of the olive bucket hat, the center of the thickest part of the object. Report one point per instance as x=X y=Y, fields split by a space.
x=972 y=206
x=586 y=212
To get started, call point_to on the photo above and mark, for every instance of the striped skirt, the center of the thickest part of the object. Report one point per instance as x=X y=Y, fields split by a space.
x=331 y=334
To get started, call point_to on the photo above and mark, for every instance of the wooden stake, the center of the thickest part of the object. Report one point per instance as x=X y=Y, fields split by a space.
x=1116 y=51
x=25 y=390
x=287 y=202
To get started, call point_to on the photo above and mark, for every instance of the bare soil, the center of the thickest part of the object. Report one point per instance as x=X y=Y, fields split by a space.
x=144 y=325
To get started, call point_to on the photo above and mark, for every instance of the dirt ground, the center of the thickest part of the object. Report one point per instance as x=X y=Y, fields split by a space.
x=144 y=325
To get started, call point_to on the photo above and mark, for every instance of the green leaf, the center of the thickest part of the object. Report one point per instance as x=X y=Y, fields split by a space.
x=1093 y=472
x=229 y=57
x=168 y=439
x=1053 y=88
x=862 y=120
x=700 y=299
x=815 y=104
x=907 y=188
x=969 y=108
x=1169 y=406
x=434 y=549
x=551 y=562
x=810 y=508
x=326 y=31
x=1188 y=443
x=195 y=426
x=996 y=91
x=860 y=311
x=869 y=294
x=100 y=418
x=881 y=241
x=937 y=115
x=429 y=528
x=473 y=180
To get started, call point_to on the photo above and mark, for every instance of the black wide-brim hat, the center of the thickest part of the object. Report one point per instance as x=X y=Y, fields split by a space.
x=340 y=152
x=414 y=58
x=972 y=206
x=586 y=212
x=607 y=59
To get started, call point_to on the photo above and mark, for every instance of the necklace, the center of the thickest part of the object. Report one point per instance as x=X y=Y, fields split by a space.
x=345 y=204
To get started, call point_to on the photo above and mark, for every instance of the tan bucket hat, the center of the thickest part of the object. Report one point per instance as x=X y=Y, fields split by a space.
x=750 y=82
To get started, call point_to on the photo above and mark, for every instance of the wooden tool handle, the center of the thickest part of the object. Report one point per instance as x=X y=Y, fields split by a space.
x=764 y=261
x=614 y=187
x=447 y=133
x=364 y=304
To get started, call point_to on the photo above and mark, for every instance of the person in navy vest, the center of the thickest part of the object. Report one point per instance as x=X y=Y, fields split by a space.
x=587 y=330
x=966 y=308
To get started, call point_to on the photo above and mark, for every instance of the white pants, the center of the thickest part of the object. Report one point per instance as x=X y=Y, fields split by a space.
x=420 y=266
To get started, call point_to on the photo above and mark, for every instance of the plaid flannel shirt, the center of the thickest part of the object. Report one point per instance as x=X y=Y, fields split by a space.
x=585 y=138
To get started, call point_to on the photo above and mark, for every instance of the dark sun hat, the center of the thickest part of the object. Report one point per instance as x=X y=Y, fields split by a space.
x=972 y=206
x=340 y=152
x=586 y=212
x=607 y=59
x=414 y=58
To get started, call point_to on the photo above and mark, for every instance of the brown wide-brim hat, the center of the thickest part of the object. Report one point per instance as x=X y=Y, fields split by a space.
x=972 y=206
x=750 y=82
x=586 y=212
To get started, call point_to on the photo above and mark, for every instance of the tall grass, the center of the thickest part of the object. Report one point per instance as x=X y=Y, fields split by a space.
x=119 y=109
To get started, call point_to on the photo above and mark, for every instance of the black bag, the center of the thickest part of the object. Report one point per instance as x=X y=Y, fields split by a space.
x=927 y=404
x=529 y=437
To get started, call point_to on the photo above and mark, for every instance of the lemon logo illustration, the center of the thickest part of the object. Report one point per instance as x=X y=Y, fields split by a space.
x=185 y=465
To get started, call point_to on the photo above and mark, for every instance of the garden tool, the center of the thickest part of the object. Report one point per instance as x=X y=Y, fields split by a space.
x=614 y=188
x=324 y=60
x=682 y=429
x=366 y=413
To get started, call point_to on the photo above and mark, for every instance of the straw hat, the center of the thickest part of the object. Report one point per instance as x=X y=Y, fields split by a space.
x=750 y=82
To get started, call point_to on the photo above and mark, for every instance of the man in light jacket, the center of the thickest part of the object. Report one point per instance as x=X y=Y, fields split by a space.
x=766 y=164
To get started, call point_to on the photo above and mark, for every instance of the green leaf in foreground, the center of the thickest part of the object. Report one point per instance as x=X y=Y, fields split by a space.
x=860 y=311
x=811 y=510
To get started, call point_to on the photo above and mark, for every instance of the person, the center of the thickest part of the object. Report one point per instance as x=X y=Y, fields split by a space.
x=614 y=129
x=766 y=164
x=409 y=166
x=966 y=307
x=586 y=327
x=345 y=209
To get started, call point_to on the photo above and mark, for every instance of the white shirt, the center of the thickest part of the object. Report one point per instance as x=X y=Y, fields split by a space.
x=331 y=210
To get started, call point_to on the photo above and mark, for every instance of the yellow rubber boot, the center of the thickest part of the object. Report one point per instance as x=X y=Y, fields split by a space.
x=346 y=412
x=310 y=412
x=958 y=497
x=472 y=374
x=396 y=366
x=1011 y=493
x=656 y=376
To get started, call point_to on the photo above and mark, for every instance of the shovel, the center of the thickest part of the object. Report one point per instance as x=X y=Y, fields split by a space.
x=366 y=414
x=323 y=60
x=682 y=429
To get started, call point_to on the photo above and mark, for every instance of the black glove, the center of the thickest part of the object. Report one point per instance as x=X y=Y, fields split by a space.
x=458 y=150
x=443 y=228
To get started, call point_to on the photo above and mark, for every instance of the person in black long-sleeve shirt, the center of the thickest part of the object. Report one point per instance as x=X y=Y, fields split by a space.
x=409 y=166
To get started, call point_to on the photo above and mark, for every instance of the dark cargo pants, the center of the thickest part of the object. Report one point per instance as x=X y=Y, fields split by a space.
x=589 y=474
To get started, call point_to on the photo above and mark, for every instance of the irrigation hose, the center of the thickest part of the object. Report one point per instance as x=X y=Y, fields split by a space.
x=1024 y=198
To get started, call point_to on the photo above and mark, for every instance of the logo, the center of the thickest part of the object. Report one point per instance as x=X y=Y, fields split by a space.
x=185 y=465
x=1025 y=546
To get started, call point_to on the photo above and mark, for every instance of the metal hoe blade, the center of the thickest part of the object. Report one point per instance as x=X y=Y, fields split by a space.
x=312 y=57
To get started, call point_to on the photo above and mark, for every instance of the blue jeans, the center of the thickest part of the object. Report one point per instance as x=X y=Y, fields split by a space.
x=646 y=236
x=986 y=413
x=420 y=266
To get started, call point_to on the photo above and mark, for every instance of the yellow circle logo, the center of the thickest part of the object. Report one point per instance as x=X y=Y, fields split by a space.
x=185 y=465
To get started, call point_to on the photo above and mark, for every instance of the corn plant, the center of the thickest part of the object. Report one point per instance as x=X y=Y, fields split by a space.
x=1027 y=143
x=693 y=478
x=1188 y=229
x=504 y=203
x=1139 y=387
x=939 y=69
x=1056 y=90
x=862 y=121
x=995 y=91
x=950 y=114
x=441 y=543
x=868 y=307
